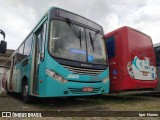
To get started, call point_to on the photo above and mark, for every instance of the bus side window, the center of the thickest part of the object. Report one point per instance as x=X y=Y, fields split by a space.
x=28 y=47
x=44 y=38
x=110 y=43
x=20 y=55
x=41 y=38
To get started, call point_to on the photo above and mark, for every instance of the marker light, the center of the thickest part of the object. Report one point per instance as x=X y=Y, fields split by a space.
x=106 y=79
x=56 y=76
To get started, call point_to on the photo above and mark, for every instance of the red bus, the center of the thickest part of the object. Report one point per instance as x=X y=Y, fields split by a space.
x=131 y=60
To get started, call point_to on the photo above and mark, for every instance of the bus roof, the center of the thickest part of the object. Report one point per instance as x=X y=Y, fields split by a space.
x=124 y=27
x=76 y=15
x=156 y=45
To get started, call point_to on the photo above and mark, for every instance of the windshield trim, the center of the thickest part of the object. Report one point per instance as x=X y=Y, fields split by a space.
x=55 y=13
x=78 y=24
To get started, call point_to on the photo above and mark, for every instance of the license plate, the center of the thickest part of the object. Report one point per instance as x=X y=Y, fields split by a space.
x=87 y=89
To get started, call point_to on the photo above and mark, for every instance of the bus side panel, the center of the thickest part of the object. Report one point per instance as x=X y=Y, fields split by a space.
x=118 y=69
x=42 y=76
x=114 y=71
x=123 y=59
x=17 y=73
x=4 y=79
x=124 y=56
x=132 y=84
x=26 y=70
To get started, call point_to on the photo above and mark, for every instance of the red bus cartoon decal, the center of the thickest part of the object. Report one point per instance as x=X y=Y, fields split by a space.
x=141 y=69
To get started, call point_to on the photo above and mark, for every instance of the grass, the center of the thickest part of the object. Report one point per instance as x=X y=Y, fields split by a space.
x=3 y=94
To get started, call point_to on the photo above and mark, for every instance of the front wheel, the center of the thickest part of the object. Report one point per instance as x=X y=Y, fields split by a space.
x=25 y=93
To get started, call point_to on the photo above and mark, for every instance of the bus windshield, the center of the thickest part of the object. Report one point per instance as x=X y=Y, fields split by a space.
x=74 y=42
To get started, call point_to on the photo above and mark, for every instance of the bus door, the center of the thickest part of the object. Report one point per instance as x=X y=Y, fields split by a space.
x=38 y=56
x=113 y=61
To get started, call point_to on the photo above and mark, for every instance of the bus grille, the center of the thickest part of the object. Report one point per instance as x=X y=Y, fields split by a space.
x=83 y=71
x=80 y=90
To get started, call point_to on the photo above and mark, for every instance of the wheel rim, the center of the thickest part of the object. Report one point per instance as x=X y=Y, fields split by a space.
x=25 y=91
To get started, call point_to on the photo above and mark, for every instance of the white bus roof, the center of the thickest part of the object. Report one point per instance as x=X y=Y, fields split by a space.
x=156 y=44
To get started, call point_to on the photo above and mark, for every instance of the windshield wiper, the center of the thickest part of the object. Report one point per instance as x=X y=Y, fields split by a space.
x=80 y=40
x=76 y=33
x=91 y=41
x=95 y=35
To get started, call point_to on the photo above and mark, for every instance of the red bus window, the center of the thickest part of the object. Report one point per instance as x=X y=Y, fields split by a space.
x=110 y=43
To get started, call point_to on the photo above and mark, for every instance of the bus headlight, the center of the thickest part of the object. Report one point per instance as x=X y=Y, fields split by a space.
x=56 y=76
x=106 y=79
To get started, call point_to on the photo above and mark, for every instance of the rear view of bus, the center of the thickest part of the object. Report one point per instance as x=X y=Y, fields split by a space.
x=67 y=58
x=131 y=60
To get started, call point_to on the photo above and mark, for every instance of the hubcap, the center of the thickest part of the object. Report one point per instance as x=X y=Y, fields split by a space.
x=25 y=90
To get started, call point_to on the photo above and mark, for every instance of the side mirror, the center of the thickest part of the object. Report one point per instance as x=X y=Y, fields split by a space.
x=3 y=47
x=3 y=33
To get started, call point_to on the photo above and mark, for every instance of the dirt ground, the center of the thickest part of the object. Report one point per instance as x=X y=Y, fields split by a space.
x=95 y=104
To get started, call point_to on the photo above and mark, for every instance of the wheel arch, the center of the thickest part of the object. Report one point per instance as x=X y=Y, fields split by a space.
x=24 y=81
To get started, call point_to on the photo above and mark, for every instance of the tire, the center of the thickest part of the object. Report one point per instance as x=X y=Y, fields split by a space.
x=25 y=93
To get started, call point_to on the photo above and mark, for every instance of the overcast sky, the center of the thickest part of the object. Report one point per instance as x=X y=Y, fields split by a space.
x=18 y=17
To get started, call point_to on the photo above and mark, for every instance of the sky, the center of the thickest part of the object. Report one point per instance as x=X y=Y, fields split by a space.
x=18 y=17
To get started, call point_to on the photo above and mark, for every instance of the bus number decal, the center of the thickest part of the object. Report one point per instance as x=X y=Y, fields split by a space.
x=73 y=76
x=73 y=50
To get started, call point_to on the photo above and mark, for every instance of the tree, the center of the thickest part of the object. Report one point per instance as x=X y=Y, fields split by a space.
x=3 y=44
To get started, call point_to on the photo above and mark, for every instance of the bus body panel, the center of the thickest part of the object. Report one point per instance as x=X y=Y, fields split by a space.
x=132 y=84
x=114 y=67
x=50 y=87
x=132 y=48
x=73 y=88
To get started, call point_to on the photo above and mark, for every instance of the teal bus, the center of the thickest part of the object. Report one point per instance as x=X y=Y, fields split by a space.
x=62 y=56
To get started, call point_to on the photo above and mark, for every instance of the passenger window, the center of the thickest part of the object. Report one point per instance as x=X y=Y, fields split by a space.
x=41 y=34
x=20 y=53
x=39 y=37
x=27 y=49
x=42 y=38
x=110 y=43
